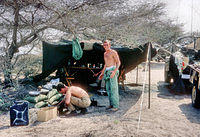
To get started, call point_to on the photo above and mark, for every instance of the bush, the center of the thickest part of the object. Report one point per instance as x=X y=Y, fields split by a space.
x=28 y=65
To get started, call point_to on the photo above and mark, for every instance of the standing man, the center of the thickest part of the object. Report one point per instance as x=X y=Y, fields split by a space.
x=74 y=96
x=110 y=73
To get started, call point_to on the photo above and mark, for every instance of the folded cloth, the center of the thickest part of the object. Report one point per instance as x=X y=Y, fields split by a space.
x=112 y=87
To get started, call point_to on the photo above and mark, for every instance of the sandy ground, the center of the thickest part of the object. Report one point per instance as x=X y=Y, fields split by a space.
x=169 y=115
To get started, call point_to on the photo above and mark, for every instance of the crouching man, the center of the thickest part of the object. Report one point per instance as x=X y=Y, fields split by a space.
x=74 y=97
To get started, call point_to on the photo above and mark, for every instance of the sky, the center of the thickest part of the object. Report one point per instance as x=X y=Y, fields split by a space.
x=181 y=11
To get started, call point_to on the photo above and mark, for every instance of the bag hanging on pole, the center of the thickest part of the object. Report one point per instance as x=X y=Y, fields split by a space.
x=77 y=51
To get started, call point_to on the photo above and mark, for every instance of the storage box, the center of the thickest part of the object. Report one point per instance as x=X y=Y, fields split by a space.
x=46 y=113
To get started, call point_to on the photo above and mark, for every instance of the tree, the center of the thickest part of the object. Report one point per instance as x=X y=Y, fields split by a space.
x=24 y=22
x=126 y=23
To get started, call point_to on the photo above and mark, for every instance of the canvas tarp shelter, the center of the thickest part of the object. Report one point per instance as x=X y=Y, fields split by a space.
x=57 y=55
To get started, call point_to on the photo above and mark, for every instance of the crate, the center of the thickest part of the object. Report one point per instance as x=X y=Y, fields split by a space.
x=46 y=113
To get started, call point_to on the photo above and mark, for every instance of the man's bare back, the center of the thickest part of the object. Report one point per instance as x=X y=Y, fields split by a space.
x=74 y=96
x=77 y=92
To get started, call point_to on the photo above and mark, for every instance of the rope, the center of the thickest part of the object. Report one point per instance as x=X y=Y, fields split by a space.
x=145 y=78
x=141 y=104
x=161 y=58
x=164 y=50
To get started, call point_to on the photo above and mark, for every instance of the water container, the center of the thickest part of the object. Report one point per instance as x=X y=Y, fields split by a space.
x=19 y=114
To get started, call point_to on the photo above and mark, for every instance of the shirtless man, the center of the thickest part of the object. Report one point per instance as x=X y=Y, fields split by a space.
x=74 y=96
x=110 y=73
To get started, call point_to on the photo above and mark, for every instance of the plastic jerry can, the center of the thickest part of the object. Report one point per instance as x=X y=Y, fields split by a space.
x=19 y=114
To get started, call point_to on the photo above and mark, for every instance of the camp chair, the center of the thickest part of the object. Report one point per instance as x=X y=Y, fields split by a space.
x=68 y=77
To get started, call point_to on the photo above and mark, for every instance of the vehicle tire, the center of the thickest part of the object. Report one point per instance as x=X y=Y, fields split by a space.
x=195 y=97
x=167 y=77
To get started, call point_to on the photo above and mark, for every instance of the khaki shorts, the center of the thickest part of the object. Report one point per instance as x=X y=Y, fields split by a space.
x=83 y=102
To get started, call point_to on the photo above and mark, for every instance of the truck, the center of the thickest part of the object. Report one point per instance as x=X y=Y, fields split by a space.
x=194 y=80
x=182 y=70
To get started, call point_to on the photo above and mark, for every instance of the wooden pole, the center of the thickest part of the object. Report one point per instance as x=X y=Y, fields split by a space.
x=149 y=58
x=137 y=76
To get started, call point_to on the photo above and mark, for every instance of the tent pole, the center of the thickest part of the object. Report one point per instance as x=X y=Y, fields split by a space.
x=149 y=58
x=137 y=75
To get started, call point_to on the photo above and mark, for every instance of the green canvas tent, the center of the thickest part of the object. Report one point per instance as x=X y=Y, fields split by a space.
x=59 y=55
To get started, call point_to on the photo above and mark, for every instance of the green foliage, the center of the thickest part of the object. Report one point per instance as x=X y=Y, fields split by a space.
x=5 y=103
x=116 y=122
x=164 y=32
x=132 y=24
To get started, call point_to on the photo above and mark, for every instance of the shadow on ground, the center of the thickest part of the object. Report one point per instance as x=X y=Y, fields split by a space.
x=128 y=98
x=191 y=113
x=166 y=93
x=4 y=127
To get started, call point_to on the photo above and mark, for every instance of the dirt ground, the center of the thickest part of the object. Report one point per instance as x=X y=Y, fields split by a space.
x=169 y=114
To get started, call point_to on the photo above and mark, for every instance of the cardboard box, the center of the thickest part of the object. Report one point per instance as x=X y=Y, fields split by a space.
x=46 y=113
